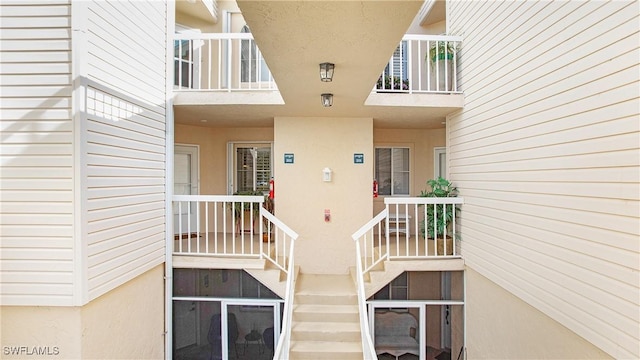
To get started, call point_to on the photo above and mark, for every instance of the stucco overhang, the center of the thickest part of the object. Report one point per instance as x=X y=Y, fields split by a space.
x=359 y=37
x=200 y=9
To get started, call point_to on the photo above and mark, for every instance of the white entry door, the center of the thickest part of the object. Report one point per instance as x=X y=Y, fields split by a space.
x=185 y=182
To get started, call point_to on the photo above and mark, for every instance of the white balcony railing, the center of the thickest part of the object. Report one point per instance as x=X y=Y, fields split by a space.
x=233 y=62
x=410 y=228
x=219 y=62
x=422 y=64
x=230 y=226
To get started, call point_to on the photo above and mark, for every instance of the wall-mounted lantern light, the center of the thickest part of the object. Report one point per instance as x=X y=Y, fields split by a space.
x=326 y=174
x=327 y=99
x=326 y=71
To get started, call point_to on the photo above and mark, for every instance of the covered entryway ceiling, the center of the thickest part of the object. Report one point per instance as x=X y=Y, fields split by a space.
x=359 y=37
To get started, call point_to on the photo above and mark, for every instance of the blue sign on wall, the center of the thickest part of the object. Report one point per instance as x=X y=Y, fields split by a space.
x=358 y=158
x=288 y=158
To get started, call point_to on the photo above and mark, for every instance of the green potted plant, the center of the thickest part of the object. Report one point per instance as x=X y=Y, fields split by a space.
x=441 y=50
x=239 y=207
x=439 y=188
x=440 y=56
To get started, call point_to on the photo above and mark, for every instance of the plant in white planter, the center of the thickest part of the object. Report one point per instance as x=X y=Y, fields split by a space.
x=239 y=208
x=435 y=226
x=440 y=60
x=441 y=50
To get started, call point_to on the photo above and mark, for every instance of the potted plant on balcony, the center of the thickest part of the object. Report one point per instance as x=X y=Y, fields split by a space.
x=440 y=56
x=439 y=216
x=390 y=83
x=442 y=50
x=246 y=207
x=269 y=205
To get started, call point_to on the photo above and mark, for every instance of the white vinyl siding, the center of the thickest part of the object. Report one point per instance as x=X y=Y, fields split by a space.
x=36 y=168
x=124 y=141
x=546 y=155
x=127 y=47
x=82 y=198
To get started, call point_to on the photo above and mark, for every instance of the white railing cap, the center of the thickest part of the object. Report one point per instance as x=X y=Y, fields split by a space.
x=213 y=36
x=432 y=37
x=219 y=198
x=249 y=36
x=423 y=200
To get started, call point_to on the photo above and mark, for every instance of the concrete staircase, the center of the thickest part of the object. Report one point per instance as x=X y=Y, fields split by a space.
x=272 y=277
x=325 y=319
x=385 y=271
x=381 y=275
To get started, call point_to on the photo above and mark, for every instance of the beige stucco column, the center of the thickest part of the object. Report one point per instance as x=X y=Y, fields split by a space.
x=302 y=197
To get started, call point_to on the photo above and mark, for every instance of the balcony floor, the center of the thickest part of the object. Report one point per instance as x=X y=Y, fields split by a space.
x=242 y=251
x=242 y=244
x=401 y=245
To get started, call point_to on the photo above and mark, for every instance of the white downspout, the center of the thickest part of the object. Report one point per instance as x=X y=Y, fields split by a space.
x=79 y=11
x=169 y=141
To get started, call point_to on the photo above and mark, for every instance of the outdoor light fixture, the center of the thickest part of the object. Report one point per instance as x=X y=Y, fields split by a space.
x=326 y=71
x=327 y=99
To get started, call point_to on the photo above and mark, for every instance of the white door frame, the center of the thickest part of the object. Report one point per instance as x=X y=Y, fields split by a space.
x=438 y=153
x=194 y=152
x=277 y=305
x=192 y=188
x=401 y=304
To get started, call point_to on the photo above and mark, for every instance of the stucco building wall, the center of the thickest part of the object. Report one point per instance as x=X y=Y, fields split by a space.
x=505 y=327
x=125 y=323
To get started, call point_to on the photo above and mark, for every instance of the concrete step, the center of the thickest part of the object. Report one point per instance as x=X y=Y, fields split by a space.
x=325 y=289
x=327 y=300
x=326 y=322
x=323 y=312
x=323 y=350
x=326 y=331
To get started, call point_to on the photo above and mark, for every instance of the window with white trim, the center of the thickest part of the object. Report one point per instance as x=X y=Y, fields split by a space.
x=392 y=170
x=251 y=167
x=186 y=59
x=397 y=66
x=249 y=58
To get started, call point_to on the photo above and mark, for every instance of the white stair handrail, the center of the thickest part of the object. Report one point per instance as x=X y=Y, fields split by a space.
x=367 y=235
x=279 y=235
x=368 y=349
x=282 y=349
